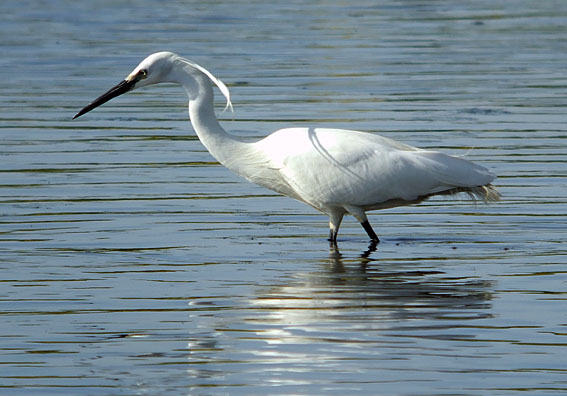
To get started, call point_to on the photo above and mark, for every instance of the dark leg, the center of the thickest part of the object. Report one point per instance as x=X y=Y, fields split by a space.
x=333 y=236
x=368 y=228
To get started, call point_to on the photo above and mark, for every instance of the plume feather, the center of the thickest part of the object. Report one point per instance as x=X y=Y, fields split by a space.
x=222 y=87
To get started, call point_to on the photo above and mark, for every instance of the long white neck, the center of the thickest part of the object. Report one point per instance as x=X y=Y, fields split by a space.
x=245 y=159
x=227 y=149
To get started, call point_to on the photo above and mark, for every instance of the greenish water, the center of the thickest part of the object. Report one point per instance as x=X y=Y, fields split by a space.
x=132 y=263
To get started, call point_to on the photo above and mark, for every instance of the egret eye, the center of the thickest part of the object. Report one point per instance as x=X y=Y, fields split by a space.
x=143 y=74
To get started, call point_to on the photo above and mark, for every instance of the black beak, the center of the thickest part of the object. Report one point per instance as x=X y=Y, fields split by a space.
x=113 y=92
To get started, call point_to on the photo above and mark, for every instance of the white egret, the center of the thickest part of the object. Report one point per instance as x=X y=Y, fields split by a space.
x=335 y=171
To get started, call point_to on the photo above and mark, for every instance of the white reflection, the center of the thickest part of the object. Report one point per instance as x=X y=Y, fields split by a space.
x=347 y=311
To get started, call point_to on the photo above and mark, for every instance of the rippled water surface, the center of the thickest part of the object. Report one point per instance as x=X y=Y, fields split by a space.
x=133 y=264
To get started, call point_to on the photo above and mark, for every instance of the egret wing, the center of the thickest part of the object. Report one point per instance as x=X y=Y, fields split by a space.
x=330 y=167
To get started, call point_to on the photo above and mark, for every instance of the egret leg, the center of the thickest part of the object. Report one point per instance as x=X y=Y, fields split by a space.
x=333 y=244
x=368 y=228
x=360 y=215
x=335 y=219
x=332 y=235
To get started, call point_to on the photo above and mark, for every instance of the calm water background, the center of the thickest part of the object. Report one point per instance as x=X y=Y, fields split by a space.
x=133 y=264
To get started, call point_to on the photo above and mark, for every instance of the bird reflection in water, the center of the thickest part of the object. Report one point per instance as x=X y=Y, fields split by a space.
x=344 y=310
x=348 y=292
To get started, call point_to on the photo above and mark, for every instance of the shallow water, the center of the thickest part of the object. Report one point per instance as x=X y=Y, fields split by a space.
x=132 y=263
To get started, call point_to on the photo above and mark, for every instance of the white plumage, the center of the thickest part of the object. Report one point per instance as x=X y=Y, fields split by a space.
x=335 y=171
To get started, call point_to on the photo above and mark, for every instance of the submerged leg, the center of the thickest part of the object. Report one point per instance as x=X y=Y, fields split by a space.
x=332 y=235
x=335 y=219
x=360 y=215
x=368 y=228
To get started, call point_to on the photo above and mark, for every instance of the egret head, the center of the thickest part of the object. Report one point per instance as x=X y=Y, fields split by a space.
x=157 y=68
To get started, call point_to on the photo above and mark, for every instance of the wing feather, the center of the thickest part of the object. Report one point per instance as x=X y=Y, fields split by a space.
x=326 y=167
